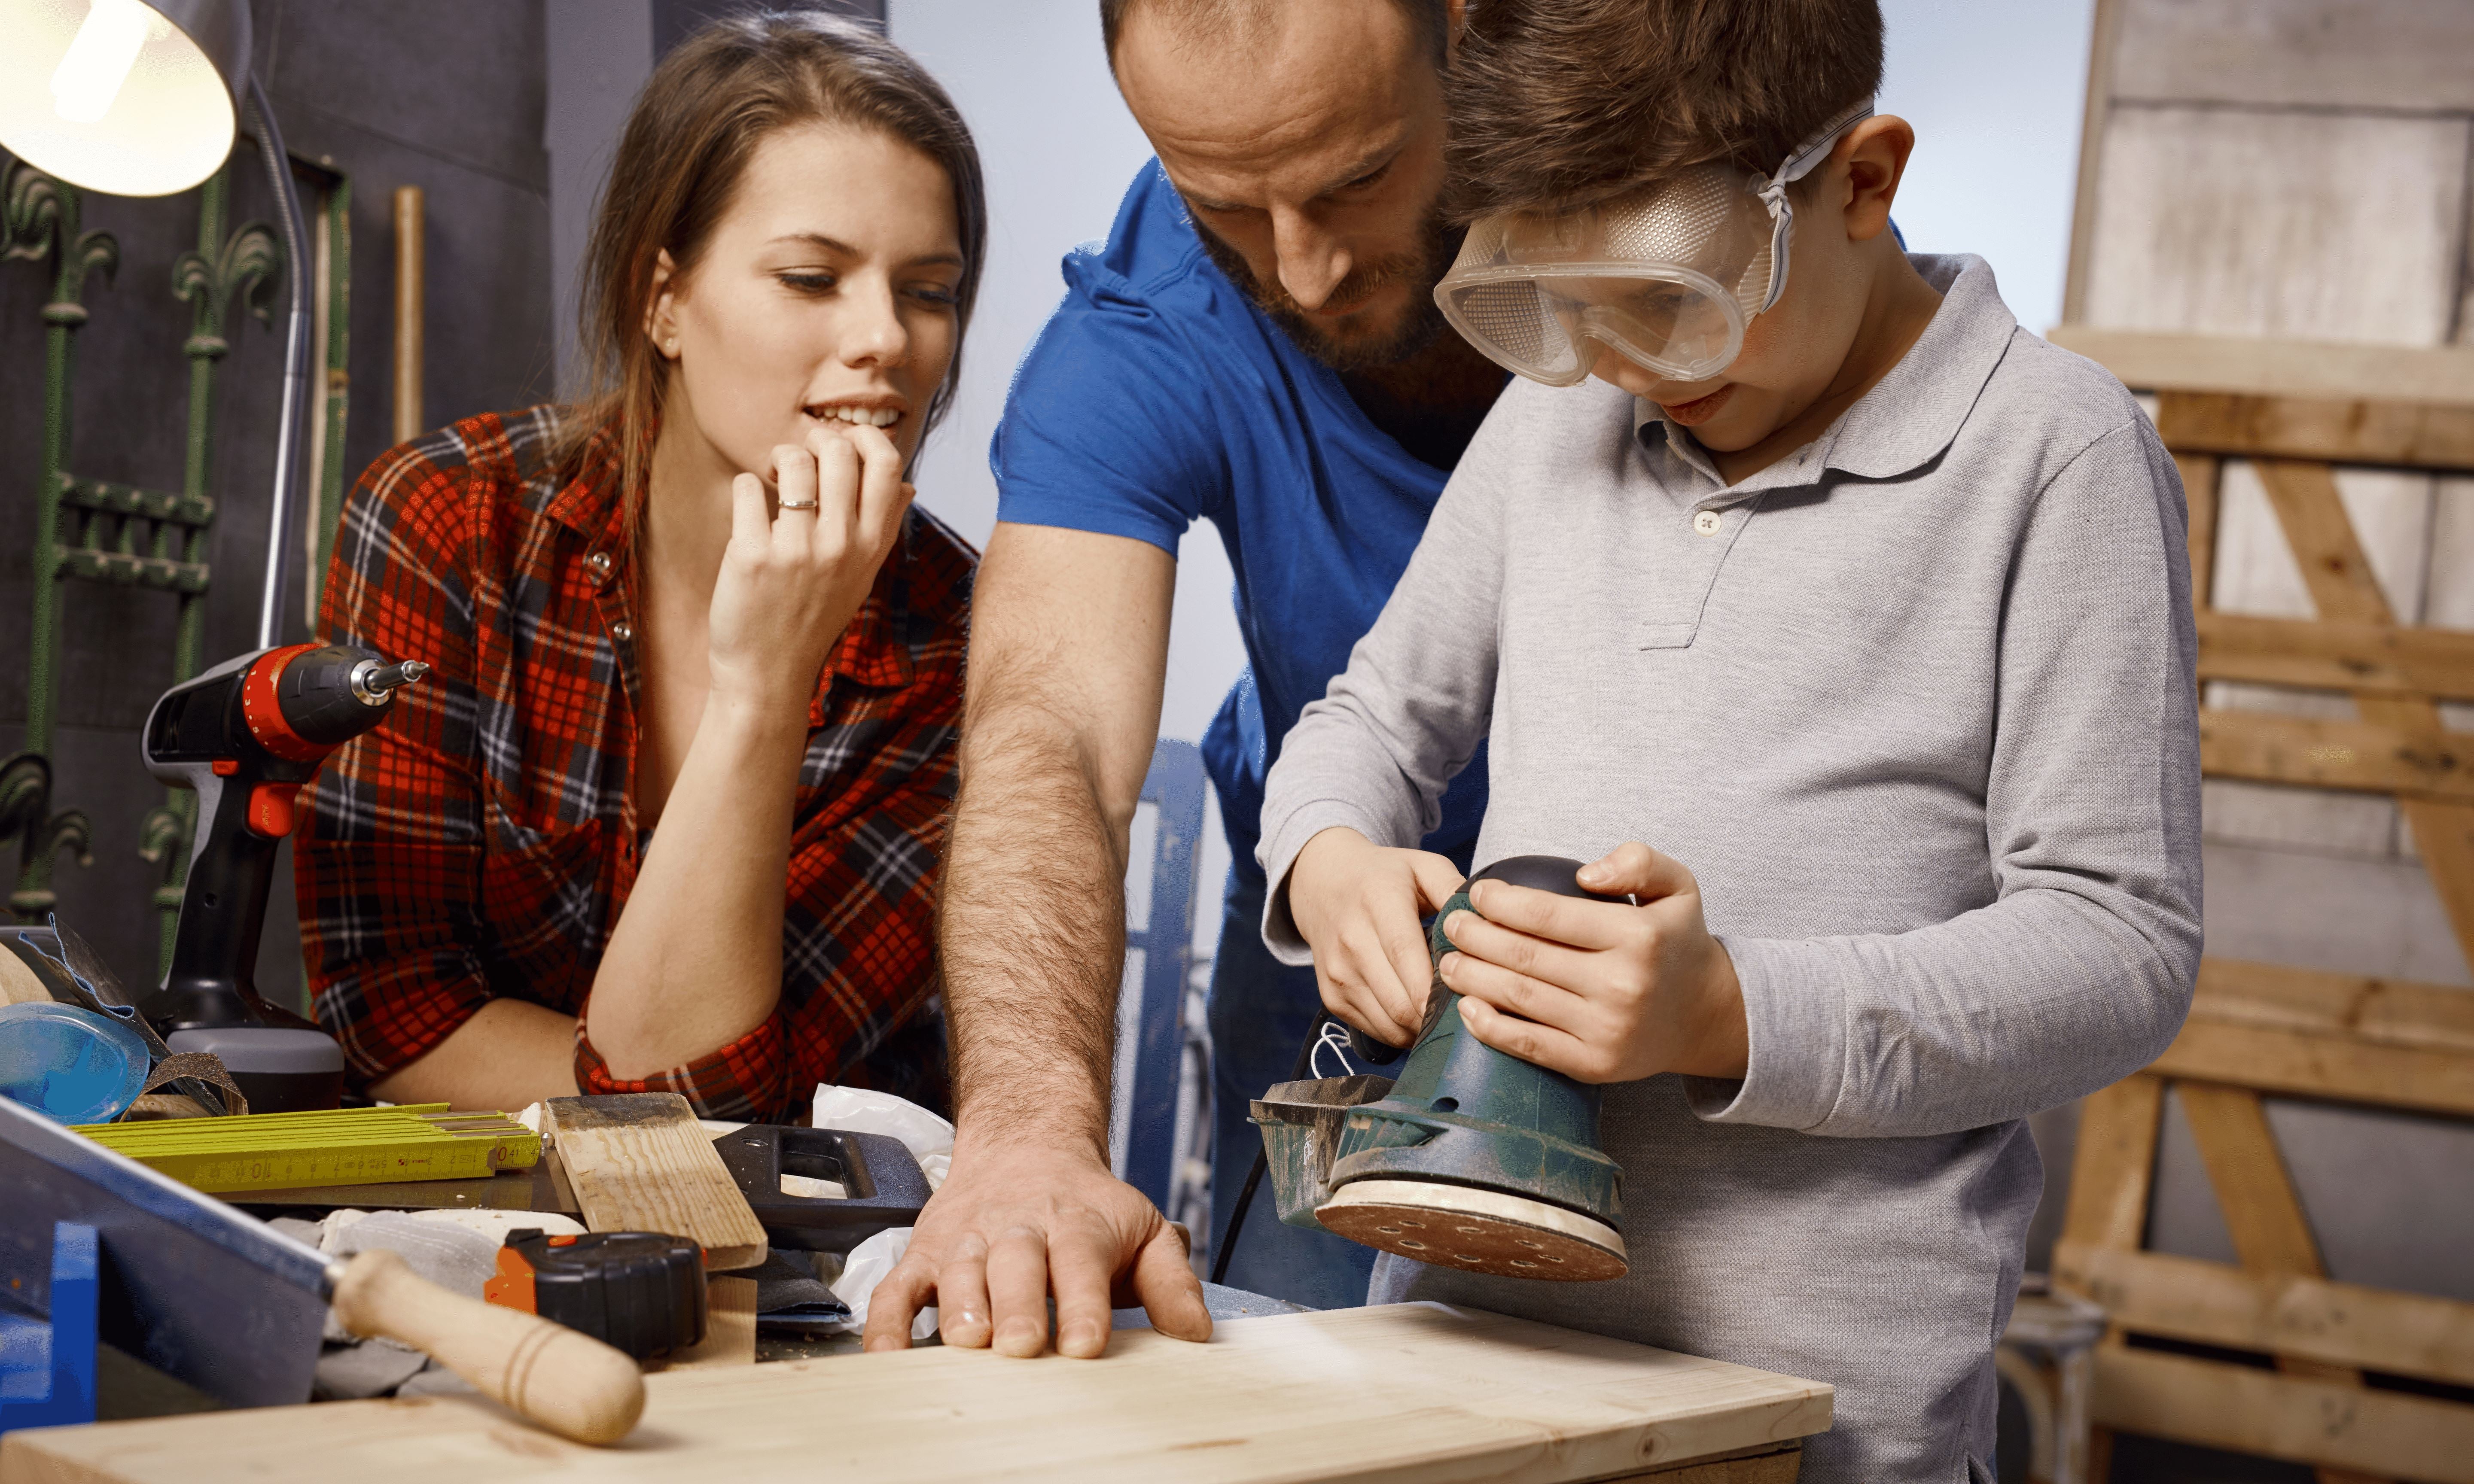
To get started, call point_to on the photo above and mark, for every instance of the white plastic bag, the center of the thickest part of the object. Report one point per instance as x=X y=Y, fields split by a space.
x=930 y=1140
x=860 y=1111
x=867 y=1266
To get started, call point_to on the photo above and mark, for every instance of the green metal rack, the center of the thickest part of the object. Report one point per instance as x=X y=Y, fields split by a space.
x=95 y=531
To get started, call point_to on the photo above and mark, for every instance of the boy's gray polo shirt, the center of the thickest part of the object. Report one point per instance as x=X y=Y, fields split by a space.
x=1915 y=704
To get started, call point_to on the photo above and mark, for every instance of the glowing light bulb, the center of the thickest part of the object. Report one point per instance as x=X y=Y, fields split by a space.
x=92 y=71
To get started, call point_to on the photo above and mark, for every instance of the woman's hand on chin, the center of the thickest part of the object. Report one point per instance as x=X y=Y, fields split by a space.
x=792 y=580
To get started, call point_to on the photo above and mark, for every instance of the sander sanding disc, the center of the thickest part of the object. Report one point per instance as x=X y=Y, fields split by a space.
x=1473 y=1229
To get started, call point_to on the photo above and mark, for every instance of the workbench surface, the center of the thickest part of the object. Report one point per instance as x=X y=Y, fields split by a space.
x=1406 y=1392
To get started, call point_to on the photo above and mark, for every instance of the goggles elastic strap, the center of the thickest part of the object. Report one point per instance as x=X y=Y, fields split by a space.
x=1807 y=155
x=1772 y=191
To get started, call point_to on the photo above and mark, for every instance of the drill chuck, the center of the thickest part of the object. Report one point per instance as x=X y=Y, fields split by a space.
x=375 y=684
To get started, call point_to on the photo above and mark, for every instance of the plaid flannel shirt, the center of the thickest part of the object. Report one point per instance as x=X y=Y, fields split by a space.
x=482 y=842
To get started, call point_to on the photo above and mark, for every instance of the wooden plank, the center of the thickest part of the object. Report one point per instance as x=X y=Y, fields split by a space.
x=2306 y=1063
x=2411 y=435
x=2334 y=567
x=2343 y=586
x=1774 y=1465
x=1402 y=1393
x=2321 y=655
x=2253 y=1411
x=2267 y=748
x=2262 y=1214
x=638 y=1161
x=2364 y=1007
x=2286 y=1314
x=2200 y=473
x=2103 y=40
x=2257 y=574
x=2155 y=361
x=2114 y=1161
x=729 y=1326
x=2376 y=54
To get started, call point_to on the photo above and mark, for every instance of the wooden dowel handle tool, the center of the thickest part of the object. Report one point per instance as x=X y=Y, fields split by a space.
x=561 y=1379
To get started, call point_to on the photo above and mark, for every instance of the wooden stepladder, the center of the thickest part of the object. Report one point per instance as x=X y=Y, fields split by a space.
x=2259 y=1028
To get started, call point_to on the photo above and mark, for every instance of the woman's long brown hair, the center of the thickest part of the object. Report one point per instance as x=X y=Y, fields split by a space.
x=687 y=142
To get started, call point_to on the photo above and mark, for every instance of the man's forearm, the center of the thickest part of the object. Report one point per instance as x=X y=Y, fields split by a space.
x=1033 y=931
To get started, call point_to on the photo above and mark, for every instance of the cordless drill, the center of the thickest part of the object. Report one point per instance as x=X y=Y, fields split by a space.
x=246 y=736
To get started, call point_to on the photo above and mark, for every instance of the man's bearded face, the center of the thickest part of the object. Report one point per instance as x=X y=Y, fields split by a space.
x=1351 y=345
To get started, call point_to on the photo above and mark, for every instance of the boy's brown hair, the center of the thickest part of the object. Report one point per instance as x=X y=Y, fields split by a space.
x=1561 y=104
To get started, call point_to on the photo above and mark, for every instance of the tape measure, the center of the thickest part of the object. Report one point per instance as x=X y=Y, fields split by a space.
x=642 y=1292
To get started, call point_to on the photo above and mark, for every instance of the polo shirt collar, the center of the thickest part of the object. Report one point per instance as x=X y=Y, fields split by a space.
x=1912 y=414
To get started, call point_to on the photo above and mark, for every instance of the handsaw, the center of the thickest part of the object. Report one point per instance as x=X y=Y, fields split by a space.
x=234 y=1307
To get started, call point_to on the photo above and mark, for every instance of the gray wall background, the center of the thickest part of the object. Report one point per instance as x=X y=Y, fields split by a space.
x=448 y=95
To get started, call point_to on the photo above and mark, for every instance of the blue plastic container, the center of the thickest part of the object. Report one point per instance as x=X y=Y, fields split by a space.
x=68 y=1064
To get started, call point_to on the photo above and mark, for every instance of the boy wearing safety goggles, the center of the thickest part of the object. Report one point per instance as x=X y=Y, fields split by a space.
x=1842 y=625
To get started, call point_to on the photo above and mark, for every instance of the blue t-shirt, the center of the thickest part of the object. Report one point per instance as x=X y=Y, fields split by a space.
x=1158 y=396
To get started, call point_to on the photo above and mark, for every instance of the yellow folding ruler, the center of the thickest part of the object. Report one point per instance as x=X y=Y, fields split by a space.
x=335 y=1147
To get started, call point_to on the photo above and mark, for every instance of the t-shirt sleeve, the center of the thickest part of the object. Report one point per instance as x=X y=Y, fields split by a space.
x=1109 y=426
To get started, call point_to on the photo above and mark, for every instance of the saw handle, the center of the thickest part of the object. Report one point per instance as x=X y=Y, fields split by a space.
x=561 y=1379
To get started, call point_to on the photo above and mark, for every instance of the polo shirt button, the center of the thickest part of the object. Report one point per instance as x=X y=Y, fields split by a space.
x=1708 y=522
x=622 y=631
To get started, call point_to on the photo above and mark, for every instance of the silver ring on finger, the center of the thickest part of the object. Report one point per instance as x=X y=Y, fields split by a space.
x=800 y=504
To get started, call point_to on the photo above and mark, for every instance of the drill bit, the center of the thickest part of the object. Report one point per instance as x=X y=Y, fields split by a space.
x=394 y=676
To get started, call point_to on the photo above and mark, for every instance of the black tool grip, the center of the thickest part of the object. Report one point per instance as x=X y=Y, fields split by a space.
x=1366 y=1049
x=886 y=1186
x=642 y=1292
x=1542 y=872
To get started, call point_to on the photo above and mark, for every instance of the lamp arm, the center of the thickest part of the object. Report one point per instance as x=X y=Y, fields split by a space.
x=279 y=537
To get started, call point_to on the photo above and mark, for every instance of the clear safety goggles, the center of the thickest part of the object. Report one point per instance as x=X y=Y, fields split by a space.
x=1669 y=282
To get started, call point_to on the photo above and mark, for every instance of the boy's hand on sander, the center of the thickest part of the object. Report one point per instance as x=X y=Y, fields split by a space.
x=1357 y=906
x=1601 y=991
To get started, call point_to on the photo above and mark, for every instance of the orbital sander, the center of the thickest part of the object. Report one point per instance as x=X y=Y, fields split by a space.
x=1472 y=1158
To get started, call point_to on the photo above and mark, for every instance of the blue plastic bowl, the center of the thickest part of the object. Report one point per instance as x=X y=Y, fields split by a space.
x=69 y=1063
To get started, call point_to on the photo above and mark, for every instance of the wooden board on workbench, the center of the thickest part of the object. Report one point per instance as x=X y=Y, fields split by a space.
x=1405 y=1392
x=638 y=1161
x=729 y=1328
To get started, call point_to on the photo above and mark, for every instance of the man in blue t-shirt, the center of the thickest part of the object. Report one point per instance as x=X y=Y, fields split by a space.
x=1256 y=344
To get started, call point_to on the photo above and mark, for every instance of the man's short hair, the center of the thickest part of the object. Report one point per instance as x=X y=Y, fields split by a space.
x=1560 y=104
x=1202 y=16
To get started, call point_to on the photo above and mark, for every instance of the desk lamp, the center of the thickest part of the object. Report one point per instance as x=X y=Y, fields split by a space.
x=142 y=99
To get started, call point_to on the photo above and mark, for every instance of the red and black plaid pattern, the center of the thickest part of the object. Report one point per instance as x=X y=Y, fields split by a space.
x=483 y=841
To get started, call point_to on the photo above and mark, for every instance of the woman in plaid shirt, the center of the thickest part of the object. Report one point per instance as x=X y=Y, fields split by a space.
x=691 y=640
